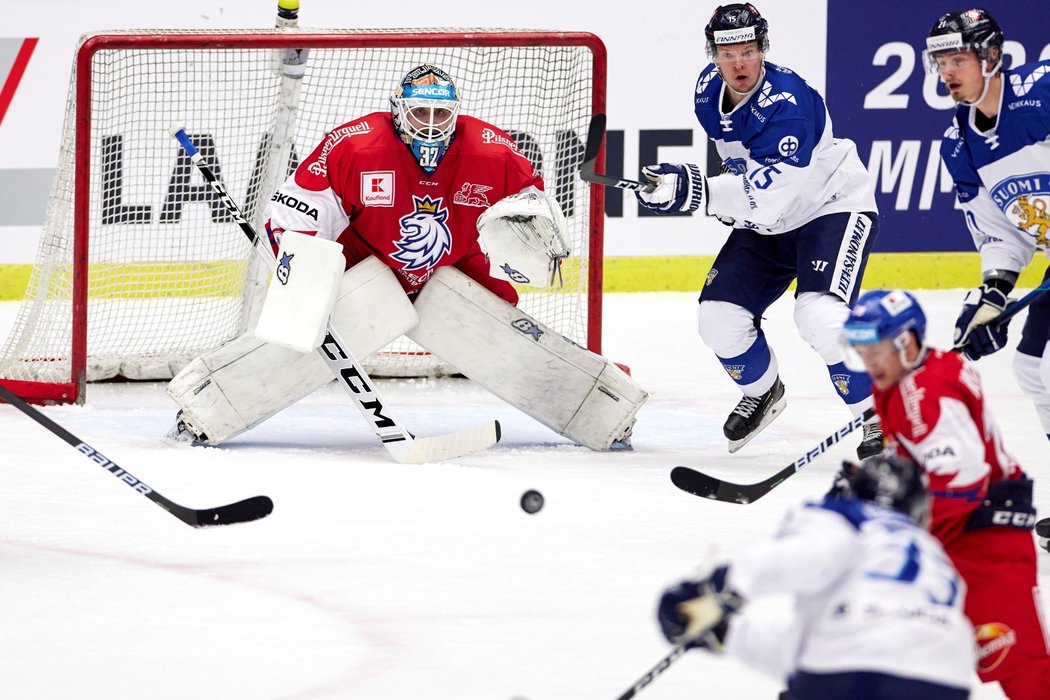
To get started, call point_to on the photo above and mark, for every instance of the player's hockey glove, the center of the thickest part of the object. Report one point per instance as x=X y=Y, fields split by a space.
x=696 y=613
x=677 y=187
x=975 y=337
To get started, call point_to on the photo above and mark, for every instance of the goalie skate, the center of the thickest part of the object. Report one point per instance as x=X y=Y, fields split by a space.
x=183 y=434
x=753 y=414
x=1042 y=533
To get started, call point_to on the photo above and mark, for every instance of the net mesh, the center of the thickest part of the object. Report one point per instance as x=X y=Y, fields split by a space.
x=170 y=275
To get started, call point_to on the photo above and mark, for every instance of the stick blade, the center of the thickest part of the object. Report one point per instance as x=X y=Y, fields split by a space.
x=706 y=486
x=245 y=511
x=595 y=133
x=453 y=445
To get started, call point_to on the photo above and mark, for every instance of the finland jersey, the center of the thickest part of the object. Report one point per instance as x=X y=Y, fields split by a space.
x=786 y=167
x=874 y=592
x=1002 y=176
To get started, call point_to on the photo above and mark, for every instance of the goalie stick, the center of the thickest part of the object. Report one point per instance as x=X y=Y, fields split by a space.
x=402 y=445
x=650 y=675
x=595 y=134
x=239 y=512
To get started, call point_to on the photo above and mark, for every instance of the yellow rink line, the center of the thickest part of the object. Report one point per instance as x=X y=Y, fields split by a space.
x=622 y=274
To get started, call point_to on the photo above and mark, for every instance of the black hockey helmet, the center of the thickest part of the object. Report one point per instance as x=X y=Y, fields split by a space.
x=966 y=30
x=892 y=482
x=736 y=24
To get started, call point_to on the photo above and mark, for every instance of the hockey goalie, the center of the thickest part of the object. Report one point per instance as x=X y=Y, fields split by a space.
x=411 y=222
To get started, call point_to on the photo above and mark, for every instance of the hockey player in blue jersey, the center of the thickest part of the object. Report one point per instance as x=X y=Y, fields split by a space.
x=997 y=150
x=802 y=208
x=878 y=604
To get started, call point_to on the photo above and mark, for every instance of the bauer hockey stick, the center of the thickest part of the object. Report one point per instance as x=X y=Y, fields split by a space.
x=595 y=134
x=239 y=512
x=706 y=486
x=650 y=675
x=402 y=445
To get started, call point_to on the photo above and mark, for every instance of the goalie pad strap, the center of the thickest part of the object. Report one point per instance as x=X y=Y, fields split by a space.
x=569 y=389
x=244 y=382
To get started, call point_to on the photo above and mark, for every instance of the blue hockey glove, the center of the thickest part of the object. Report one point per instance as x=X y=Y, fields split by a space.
x=696 y=613
x=677 y=187
x=975 y=337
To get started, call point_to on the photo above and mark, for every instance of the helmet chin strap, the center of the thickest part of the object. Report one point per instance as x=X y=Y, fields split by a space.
x=902 y=347
x=988 y=75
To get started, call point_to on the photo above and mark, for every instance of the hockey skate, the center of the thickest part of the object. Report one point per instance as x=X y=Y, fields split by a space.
x=182 y=433
x=872 y=443
x=753 y=414
x=1042 y=533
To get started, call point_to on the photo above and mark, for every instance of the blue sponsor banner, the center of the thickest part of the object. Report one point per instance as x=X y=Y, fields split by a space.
x=881 y=95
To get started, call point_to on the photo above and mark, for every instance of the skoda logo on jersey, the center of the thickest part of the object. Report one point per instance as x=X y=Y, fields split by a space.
x=788 y=146
x=1025 y=200
x=425 y=238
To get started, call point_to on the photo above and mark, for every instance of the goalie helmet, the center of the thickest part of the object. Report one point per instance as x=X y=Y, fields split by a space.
x=892 y=482
x=425 y=107
x=736 y=24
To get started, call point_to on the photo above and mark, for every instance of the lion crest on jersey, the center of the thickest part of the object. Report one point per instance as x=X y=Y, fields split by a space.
x=1025 y=200
x=425 y=238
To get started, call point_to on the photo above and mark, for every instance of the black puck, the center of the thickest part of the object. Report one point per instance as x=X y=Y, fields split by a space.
x=531 y=501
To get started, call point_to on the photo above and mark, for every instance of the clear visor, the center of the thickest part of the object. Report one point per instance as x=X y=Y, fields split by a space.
x=428 y=119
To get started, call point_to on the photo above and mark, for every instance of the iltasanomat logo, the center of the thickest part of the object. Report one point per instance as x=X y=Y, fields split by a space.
x=734 y=36
x=944 y=42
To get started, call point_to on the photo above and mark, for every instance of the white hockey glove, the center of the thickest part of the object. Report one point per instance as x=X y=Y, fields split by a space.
x=523 y=237
x=678 y=187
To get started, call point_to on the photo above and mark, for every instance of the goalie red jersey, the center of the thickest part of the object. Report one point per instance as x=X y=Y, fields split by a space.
x=937 y=416
x=364 y=188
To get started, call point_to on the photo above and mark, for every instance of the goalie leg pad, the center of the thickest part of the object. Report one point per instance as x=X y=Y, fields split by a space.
x=569 y=389
x=242 y=383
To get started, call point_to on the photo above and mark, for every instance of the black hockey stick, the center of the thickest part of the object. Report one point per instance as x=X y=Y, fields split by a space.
x=239 y=512
x=700 y=484
x=652 y=673
x=399 y=442
x=595 y=134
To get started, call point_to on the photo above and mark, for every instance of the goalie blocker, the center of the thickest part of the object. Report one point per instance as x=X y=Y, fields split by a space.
x=572 y=391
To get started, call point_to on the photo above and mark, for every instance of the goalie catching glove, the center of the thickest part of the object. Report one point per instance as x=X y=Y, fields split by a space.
x=523 y=237
x=696 y=613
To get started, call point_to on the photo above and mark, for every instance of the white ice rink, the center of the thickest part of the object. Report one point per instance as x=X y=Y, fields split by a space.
x=376 y=580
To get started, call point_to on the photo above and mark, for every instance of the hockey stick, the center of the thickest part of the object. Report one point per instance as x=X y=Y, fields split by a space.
x=239 y=512
x=650 y=675
x=595 y=134
x=700 y=484
x=402 y=445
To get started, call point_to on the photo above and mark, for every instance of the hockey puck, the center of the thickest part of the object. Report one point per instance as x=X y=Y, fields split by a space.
x=531 y=501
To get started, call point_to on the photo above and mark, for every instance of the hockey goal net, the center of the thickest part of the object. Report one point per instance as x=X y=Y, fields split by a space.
x=140 y=269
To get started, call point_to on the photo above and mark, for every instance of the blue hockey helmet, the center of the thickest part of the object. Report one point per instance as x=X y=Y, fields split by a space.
x=891 y=481
x=425 y=106
x=736 y=24
x=884 y=314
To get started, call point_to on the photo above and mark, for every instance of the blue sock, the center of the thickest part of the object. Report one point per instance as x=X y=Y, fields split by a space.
x=852 y=387
x=751 y=365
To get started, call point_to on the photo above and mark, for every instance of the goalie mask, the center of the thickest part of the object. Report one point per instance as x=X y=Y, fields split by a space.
x=425 y=106
x=967 y=30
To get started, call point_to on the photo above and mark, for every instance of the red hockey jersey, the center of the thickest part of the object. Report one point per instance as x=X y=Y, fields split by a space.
x=362 y=187
x=937 y=416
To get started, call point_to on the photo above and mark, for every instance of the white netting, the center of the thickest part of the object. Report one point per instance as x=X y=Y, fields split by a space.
x=171 y=275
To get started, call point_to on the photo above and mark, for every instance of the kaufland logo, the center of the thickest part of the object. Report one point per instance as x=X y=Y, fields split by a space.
x=944 y=42
x=735 y=36
x=377 y=188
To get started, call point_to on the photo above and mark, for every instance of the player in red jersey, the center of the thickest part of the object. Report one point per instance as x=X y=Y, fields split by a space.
x=932 y=408
x=411 y=195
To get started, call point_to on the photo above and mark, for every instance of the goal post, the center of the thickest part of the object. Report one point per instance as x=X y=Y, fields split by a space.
x=140 y=269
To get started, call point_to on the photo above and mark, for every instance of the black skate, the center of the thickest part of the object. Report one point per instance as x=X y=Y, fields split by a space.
x=872 y=443
x=1042 y=532
x=184 y=433
x=752 y=414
